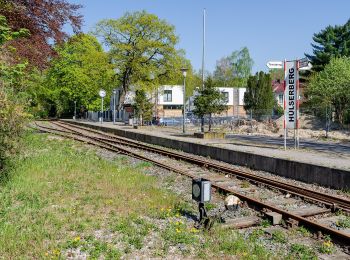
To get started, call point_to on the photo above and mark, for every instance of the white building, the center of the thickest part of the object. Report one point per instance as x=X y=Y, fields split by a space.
x=168 y=100
x=234 y=101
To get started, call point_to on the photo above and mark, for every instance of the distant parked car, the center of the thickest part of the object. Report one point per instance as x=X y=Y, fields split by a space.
x=169 y=121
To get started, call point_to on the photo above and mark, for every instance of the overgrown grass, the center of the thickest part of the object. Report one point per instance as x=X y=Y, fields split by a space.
x=57 y=193
x=62 y=197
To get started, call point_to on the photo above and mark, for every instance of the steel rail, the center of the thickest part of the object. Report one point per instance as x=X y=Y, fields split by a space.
x=333 y=202
x=335 y=234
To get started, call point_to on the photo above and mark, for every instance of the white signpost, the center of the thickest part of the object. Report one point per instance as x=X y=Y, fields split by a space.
x=275 y=65
x=291 y=94
x=291 y=101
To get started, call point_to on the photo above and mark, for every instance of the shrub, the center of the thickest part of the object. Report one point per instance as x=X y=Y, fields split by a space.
x=12 y=119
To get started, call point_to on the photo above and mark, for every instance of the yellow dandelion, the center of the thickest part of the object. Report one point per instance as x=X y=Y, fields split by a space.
x=76 y=239
x=194 y=230
x=178 y=230
x=162 y=209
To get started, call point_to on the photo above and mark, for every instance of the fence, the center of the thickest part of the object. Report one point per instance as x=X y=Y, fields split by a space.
x=310 y=118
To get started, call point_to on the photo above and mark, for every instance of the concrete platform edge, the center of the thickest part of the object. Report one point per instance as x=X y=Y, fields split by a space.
x=309 y=173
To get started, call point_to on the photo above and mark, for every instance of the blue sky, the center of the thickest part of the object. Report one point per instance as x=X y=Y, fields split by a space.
x=271 y=29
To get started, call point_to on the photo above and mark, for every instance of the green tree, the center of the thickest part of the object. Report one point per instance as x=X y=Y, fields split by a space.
x=330 y=87
x=142 y=106
x=142 y=49
x=209 y=101
x=259 y=96
x=81 y=69
x=12 y=115
x=234 y=69
x=332 y=42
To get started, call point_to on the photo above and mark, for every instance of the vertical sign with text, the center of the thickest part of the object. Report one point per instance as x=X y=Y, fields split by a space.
x=291 y=94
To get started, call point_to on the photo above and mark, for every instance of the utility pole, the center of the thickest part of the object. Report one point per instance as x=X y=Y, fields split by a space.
x=203 y=63
x=184 y=73
x=114 y=101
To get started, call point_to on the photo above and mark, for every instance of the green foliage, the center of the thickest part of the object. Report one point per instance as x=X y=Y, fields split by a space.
x=343 y=222
x=234 y=70
x=279 y=236
x=330 y=87
x=142 y=106
x=259 y=96
x=142 y=48
x=12 y=119
x=277 y=74
x=326 y=247
x=178 y=233
x=231 y=242
x=12 y=115
x=6 y=34
x=298 y=251
x=331 y=42
x=209 y=101
x=81 y=69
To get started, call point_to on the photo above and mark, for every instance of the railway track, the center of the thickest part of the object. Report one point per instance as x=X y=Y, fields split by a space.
x=118 y=144
x=330 y=201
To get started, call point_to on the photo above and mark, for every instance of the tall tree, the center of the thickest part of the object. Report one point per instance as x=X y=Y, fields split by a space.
x=12 y=116
x=45 y=20
x=234 y=69
x=332 y=42
x=259 y=96
x=140 y=45
x=209 y=101
x=77 y=74
x=142 y=106
x=330 y=87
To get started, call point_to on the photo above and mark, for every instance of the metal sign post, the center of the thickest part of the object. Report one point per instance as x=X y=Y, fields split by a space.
x=114 y=101
x=102 y=94
x=291 y=94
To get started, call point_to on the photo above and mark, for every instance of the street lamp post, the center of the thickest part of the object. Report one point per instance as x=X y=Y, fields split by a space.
x=184 y=73
x=75 y=109
x=114 y=101
x=102 y=94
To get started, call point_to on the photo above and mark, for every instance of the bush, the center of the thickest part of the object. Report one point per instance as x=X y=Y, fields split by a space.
x=12 y=119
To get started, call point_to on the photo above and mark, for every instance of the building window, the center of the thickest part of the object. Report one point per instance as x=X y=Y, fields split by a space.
x=168 y=95
x=280 y=99
x=172 y=107
x=226 y=96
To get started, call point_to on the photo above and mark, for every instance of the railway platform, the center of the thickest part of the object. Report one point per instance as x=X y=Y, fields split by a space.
x=326 y=168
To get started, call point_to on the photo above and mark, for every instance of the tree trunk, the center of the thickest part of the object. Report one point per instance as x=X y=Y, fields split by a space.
x=210 y=122
x=202 y=124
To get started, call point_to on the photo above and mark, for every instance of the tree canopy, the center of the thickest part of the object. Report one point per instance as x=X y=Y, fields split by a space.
x=142 y=50
x=259 y=96
x=44 y=19
x=81 y=69
x=234 y=70
x=332 y=87
x=331 y=42
x=209 y=101
x=142 y=106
